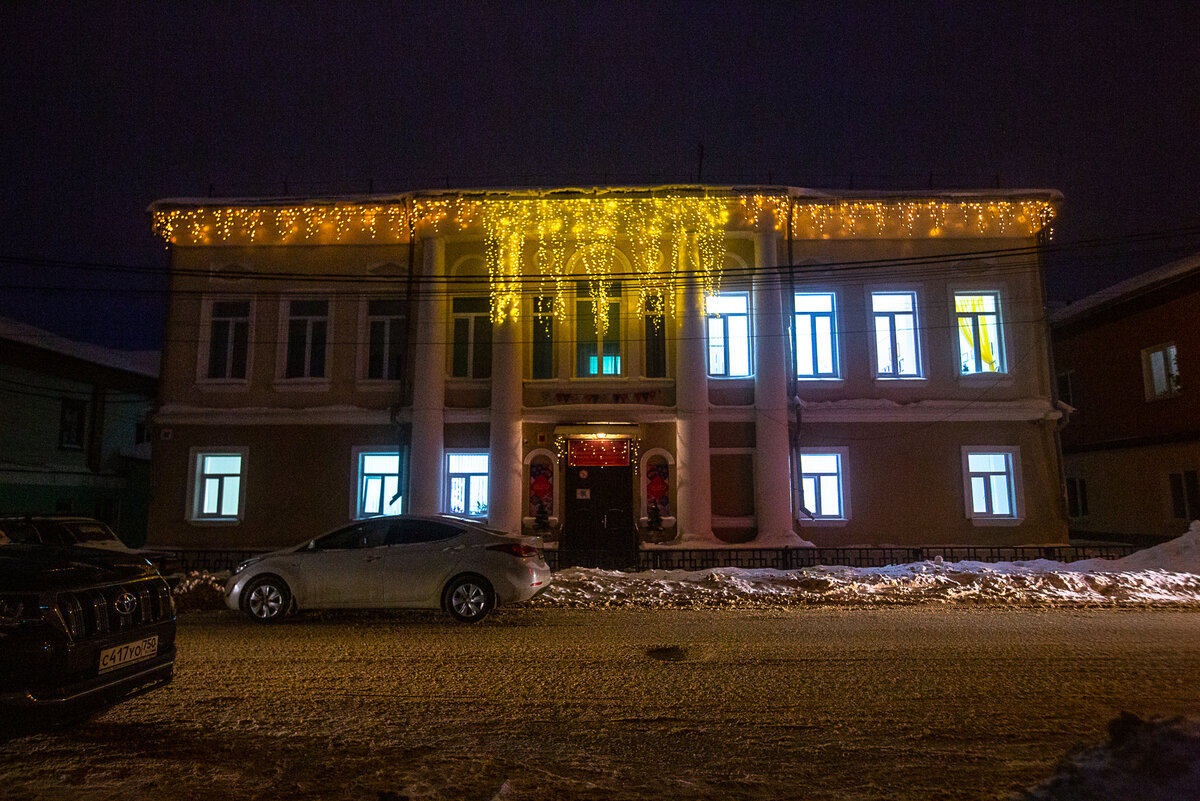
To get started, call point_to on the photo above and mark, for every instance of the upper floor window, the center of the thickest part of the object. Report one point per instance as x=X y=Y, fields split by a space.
x=378 y=483
x=992 y=482
x=1160 y=371
x=72 y=424
x=217 y=488
x=472 y=338
x=816 y=335
x=228 y=339
x=897 y=352
x=307 y=336
x=980 y=348
x=467 y=484
x=386 y=332
x=728 y=334
x=597 y=353
x=543 y=337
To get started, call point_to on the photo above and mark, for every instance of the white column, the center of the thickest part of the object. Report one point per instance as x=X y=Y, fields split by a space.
x=692 y=465
x=505 y=464
x=429 y=387
x=772 y=479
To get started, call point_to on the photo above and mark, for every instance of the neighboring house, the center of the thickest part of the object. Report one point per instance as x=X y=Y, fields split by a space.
x=1123 y=358
x=73 y=438
x=603 y=361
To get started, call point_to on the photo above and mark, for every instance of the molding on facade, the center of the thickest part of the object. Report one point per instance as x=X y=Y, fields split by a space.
x=325 y=415
x=871 y=410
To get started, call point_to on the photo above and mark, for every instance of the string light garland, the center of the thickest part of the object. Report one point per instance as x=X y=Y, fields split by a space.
x=530 y=236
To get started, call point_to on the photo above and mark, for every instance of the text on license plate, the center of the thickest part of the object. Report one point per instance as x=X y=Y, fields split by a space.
x=127 y=654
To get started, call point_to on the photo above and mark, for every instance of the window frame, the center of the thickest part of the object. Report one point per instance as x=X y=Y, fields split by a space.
x=474 y=319
x=615 y=328
x=834 y=334
x=204 y=348
x=1173 y=388
x=1001 y=332
x=394 y=339
x=360 y=455
x=285 y=325
x=1012 y=454
x=918 y=339
x=843 y=457
x=542 y=335
x=76 y=409
x=1077 y=497
x=448 y=478
x=727 y=349
x=195 y=497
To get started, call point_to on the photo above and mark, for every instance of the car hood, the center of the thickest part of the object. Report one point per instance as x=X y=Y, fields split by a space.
x=38 y=568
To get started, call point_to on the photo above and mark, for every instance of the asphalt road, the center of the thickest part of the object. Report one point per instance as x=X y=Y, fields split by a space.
x=908 y=703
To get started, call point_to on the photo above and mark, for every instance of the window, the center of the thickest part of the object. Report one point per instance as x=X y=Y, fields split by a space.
x=822 y=482
x=541 y=487
x=307 y=332
x=991 y=477
x=1066 y=387
x=816 y=335
x=980 y=349
x=1160 y=371
x=467 y=484
x=472 y=338
x=379 y=483
x=218 y=491
x=71 y=424
x=597 y=353
x=228 y=339
x=728 y=334
x=656 y=345
x=1185 y=495
x=896 y=345
x=543 y=337
x=386 y=335
x=1077 y=502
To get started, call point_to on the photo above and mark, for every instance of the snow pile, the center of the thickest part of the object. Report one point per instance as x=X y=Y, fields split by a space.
x=1155 y=760
x=1166 y=574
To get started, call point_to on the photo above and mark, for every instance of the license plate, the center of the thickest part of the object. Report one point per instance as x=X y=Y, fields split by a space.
x=127 y=654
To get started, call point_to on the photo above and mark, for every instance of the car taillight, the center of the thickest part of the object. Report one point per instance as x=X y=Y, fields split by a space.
x=515 y=548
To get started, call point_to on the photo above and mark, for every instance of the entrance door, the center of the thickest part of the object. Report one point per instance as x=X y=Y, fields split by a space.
x=598 y=526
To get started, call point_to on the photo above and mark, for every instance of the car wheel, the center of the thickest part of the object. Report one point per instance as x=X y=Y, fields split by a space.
x=469 y=599
x=267 y=599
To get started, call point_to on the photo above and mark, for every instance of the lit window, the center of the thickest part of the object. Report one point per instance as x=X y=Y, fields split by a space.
x=472 y=338
x=980 y=349
x=379 y=484
x=992 y=483
x=218 y=490
x=543 y=337
x=728 y=334
x=386 y=332
x=228 y=339
x=822 y=482
x=596 y=353
x=896 y=345
x=1077 y=500
x=1185 y=495
x=816 y=335
x=1160 y=371
x=467 y=484
x=307 y=332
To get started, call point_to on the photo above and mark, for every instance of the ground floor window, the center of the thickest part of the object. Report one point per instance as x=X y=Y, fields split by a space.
x=1185 y=495
x=218 y=489
x=823 y=483
x=1077 y=500
x=379 y=484
x=467 y=484
x=992 y=483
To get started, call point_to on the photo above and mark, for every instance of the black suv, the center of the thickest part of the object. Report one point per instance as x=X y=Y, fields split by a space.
x=80 y=629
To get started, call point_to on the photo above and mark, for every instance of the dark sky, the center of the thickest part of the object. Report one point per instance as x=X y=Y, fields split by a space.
x=107 y=107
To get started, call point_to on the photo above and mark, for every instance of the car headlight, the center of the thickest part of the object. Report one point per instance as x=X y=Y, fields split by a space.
x=251 y=561
x=18 y=609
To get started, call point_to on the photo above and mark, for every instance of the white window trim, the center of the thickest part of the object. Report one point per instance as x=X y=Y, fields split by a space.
x=838 y=349
x=446 y=454
x=205 y=343
x=749 y=337
x=920 y=310
x=194 y=497
x=357 y=453
x=1148 y=374
x=363 y=355
x=302 y=382
x=1002 y=321
x=1018 y=486
x=843 y=455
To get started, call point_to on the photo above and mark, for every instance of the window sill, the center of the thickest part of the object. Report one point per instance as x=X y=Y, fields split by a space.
x=901 y=379
x=824 y=522
x=997 y=522
x=377 y=383
x=223 y=384
x=302 y=384
x=212 y=522
x=827 y=379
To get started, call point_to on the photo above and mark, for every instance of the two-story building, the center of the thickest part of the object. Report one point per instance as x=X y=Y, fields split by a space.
x=1132 y=443
x=696 y=365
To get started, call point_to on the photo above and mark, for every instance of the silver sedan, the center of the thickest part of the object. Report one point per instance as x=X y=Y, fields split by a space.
x=399 y=561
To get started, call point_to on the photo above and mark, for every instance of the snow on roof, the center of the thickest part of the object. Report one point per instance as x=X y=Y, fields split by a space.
x=144 y=362
x=1130 y=288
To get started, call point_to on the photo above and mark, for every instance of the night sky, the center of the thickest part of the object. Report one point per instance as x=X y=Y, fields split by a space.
x=107 y=107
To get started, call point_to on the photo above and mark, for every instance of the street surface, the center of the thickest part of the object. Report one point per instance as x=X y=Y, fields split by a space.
x=919 y=702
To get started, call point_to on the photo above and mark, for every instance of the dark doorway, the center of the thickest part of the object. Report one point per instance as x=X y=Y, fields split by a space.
x=598 y=527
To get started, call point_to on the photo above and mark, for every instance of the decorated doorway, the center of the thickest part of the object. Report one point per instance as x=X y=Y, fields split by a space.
x=598 y=527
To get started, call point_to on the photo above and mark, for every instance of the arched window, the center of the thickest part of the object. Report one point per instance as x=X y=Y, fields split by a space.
x=541 y=486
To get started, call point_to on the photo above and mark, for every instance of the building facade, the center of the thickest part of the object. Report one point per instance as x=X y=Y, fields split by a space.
x=614 y=368
x=73 y=439
x=1132 y=443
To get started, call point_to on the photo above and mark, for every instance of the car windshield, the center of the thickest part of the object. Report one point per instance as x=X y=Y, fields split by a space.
x=86 y=531
x=18 y=532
